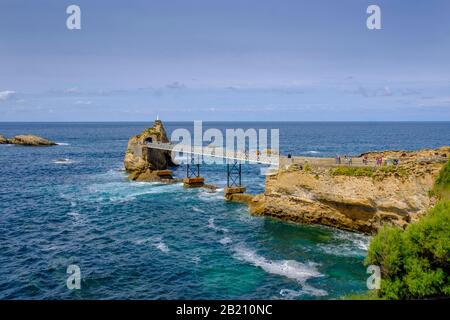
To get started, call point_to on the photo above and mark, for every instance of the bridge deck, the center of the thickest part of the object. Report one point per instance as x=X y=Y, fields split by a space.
x=220 y=152
x=257 y=157
x=325 y=162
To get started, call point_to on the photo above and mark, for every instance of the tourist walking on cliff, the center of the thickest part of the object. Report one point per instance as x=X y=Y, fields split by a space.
x=366 y=160
x=379 y=161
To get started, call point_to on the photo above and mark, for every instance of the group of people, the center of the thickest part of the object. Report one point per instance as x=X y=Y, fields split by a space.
x=347 y=160
x=365 y=160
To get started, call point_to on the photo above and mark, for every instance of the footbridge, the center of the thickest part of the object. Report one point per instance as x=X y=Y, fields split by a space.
x=234 y=159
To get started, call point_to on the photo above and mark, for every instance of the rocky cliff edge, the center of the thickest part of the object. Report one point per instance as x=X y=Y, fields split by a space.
x=357 y=199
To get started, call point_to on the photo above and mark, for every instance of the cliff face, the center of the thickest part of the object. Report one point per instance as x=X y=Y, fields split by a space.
x=347 y=198
x=144 y=163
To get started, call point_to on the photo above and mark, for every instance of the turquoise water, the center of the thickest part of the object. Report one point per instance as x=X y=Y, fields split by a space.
x=151 y=241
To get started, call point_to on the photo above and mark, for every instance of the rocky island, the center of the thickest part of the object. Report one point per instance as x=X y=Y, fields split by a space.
x=358 y=197
x=148 y=164
x=27 y=140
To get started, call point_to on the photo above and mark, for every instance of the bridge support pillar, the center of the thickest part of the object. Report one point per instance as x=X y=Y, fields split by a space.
x=234 y=180
x=230 y=191
x=193 y=178
x=194 y=182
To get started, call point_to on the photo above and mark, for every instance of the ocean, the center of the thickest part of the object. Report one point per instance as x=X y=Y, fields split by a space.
x=135 y=240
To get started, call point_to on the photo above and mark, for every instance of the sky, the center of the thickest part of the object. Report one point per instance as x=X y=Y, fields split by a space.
x=260 y=60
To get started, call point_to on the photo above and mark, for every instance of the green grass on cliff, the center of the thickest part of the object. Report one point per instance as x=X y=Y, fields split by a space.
x=383 y=171
x=352 y=171
x=441 y=188
x=153 y=131
x=415 y=262
x=392 y=170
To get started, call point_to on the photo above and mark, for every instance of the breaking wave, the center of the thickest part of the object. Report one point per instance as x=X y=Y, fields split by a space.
x=213 y=226
x=63 y=161
x=347 y=244
x=156 y=242
x=291 y=269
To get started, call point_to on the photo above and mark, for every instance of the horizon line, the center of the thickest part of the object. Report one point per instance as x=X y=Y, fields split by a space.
x=241 y=121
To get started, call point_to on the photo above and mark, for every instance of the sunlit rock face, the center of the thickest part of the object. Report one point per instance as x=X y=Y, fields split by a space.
x=27 y=140
x=144 y=163
x=395 y=195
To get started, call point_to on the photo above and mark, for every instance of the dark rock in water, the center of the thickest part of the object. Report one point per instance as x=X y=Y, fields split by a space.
x=30 y=140
x=3 y=140
x=144 y=163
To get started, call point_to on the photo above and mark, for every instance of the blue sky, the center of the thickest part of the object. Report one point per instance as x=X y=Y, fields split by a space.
x=224 y=60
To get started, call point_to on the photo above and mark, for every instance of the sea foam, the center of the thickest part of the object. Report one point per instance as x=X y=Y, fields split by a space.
x=63 y=161
x=213 y=226
x=291 y=269
x=156 y=242
x=347 y=244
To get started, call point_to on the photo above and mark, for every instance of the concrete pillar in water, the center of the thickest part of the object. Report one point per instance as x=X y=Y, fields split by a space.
x=193 y=182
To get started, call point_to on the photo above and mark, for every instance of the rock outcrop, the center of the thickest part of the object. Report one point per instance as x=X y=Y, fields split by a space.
x=3 y=140
x=27 y=140
x=148 y=164
x=360 y=200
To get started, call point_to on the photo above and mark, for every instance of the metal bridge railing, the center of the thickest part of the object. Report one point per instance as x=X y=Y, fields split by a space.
x=268 y=157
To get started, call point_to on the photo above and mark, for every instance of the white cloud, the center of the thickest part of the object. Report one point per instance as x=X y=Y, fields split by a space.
x=7 y=94
x=72 y=90
x=83 y=102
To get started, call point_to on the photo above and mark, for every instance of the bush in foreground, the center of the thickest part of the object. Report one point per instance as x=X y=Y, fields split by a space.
x=441 y=188
x=415 y=262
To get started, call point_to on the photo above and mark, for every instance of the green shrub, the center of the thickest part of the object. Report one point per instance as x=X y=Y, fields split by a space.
x=307 y=167
x=415 y=262
x=369 y=171
x=441 y=188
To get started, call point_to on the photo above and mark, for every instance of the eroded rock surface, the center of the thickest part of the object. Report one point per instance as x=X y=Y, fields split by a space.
x=387 y=194
x=27 y=140
x=148 y=164
x=3 y=140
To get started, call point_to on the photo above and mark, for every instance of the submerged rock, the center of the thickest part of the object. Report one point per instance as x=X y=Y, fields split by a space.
x=148 y=164
x=30 y=140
